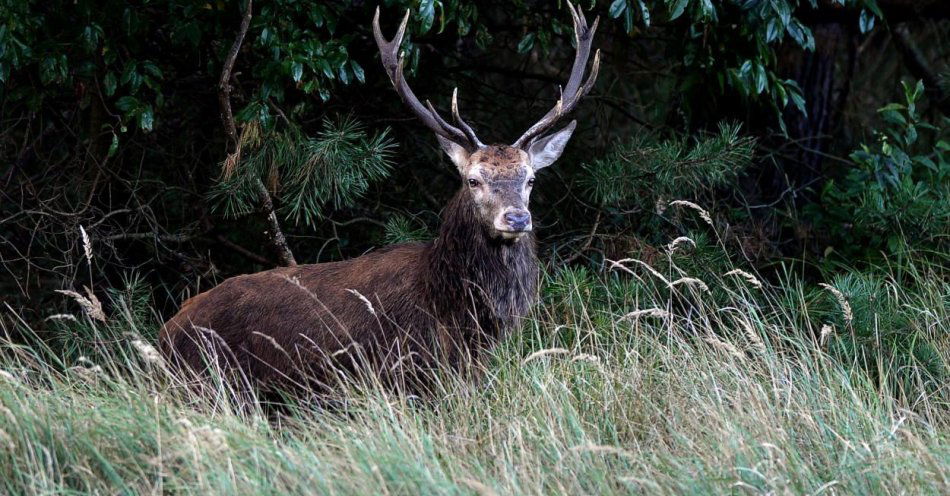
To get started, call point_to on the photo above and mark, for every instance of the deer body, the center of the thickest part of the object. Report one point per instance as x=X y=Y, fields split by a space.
x=399 y=310
x=406 y=309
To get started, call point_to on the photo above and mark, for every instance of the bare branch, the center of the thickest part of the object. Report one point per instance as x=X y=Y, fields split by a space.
x=275 y=234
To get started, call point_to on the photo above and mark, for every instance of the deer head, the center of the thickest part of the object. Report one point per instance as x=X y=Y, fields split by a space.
x=499 y=177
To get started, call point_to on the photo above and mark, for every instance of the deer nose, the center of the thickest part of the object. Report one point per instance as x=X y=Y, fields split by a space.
x=518 y=219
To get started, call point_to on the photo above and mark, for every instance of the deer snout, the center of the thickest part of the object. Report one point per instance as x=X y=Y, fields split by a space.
x=518 y=220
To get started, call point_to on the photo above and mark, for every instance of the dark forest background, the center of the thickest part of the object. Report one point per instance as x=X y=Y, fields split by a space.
x=814 y=132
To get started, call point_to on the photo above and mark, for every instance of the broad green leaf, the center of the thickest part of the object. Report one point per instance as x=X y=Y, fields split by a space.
x=109 y=83
x=114 y=145
x=426 y=15
x=296 y=71
x=773 y=30
x=795 y=94
x=617 y=8
x=866 y=21
x=745 y=69
x=783 y=10
x=760 y=78
x=676 y=7
x=152 y=69
x=127 y=104
x=146 y=119
x=782 y=93
x=357 y=71
x=892 y=106
x=708 y=9
x=526 y=43
x=644 y=13
x=325 y=67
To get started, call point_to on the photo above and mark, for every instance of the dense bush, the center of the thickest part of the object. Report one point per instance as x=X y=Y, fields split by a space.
x=898 y=190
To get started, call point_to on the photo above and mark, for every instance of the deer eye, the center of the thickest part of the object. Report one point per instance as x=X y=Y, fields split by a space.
x=473 y=183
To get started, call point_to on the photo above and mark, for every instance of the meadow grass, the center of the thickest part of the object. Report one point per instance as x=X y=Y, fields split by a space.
x=635 y=379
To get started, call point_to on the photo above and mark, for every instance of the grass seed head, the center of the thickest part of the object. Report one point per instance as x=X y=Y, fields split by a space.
x=86 y=245
x=751 y=279
x=545 y=352
x=702 y=212
x=842 y=302
x=91 y=305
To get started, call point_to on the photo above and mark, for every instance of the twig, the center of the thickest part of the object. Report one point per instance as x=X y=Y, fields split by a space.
x=275 y=234
x=243 y=251
x=167 y=238
x=590 y=239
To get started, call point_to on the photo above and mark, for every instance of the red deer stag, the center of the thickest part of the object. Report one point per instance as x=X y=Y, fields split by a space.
x=406 y=309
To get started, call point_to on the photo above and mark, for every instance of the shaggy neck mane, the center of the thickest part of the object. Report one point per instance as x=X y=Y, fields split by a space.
x=471 y=274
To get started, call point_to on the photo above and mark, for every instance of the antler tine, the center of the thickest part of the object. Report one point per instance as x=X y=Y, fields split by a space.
x=573 y=91
x=393 y=63
x=469 y=132
x=438 y=118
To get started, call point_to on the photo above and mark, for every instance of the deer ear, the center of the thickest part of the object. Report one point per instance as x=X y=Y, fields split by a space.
x=456 y=152
x=544 y=151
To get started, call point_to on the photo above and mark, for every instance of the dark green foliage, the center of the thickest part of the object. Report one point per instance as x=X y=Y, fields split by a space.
x=898 y=190
x=643 y=170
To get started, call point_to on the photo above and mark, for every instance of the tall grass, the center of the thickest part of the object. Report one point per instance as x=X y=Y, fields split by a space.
x=634 y=379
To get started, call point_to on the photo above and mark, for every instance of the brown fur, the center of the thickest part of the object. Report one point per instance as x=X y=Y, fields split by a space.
x=434 y=304
x=500 y=162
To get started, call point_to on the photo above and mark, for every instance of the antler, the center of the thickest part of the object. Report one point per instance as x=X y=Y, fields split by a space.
x=574 y=91
x=393 y=63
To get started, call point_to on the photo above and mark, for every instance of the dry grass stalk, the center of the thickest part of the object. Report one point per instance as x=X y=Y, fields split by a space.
x=8 y=376
x=842 y=302
x=671 y=248
x=600 y=448
x=647 y=312
x=369 y=304
x=619 y=264
x=89 y=375
x=753 y=336
x=751 y=279
x=89 y=303
x=702 y=213
x=478 y=487
x=147 y=351
x=826 y=330
x=724 y=346
x=690 y=281
x=546 y=352
x=7 y=440
x=585 y=357
x=204 y=436
x=62 y=316
x=86 y=245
